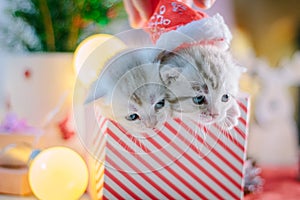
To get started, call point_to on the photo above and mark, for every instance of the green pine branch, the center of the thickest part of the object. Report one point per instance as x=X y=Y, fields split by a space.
x=59 y=24
x=47 y=25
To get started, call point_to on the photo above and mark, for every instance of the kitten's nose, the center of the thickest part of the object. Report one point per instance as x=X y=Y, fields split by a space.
x=150 y=123
x=214 y=115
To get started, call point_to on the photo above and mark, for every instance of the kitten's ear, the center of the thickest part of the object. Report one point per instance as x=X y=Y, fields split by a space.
x=164 y=56
x=169 y=74
x=95 y=92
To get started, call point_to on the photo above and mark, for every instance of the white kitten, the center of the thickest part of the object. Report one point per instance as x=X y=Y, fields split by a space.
x=129 y=90
x=205 y=81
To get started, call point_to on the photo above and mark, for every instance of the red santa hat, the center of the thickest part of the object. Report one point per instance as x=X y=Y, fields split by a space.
x=174 y=24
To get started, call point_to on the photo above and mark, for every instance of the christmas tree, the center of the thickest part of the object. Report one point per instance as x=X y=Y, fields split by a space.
x=56 y=25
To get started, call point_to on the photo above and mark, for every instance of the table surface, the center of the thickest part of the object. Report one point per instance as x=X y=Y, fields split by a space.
x=12 y=197
x=280 y=183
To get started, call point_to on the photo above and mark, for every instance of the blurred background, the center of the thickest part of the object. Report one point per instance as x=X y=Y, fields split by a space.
x=266 y=40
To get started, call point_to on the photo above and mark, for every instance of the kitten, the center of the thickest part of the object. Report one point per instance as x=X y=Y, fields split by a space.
x=205 y=81
x=129 y=90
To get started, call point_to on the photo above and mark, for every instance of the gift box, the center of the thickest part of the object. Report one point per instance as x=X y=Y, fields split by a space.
x=15 y=149
x=14 y=181
x=17 y=138
x=183 y=160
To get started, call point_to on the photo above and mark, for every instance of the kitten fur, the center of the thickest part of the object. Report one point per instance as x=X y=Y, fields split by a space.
x=204 y=81
x=130 y=91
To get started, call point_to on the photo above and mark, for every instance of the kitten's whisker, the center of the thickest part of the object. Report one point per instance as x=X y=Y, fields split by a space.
x=233 y=133
x=234 y=139
x=226 y=130
x=204 y=133
x=206 y=129
x=222 y=126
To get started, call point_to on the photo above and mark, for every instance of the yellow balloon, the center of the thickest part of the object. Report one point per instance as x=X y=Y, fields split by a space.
x=58 y=173
x=92 y=53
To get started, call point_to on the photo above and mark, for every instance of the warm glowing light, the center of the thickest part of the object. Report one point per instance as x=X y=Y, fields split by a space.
x=92 y=53
x=58 y=173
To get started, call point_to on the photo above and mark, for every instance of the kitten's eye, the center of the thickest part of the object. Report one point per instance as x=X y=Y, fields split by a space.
x=199 y=100
x=159 y=104
x=225 y=98
x=132 y=117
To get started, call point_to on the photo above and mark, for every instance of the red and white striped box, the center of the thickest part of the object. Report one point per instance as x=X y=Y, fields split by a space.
x=184 y=160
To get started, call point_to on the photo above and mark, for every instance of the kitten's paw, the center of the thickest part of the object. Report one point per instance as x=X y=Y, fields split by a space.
x=232 y=116
x=231 y=122
x=253 y=181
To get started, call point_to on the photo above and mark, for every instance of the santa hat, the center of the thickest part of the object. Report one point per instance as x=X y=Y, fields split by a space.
x=175 y=24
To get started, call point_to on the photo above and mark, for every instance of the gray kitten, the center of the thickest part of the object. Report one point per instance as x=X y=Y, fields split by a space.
x=205 y=81
x=129 y=90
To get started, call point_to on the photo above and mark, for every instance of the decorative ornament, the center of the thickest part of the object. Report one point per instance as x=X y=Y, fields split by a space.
x=27 y=73
x=12 y=124
x=87 y=62
x=7 y=103
x=58 y=173
x=15 y=155
x=274 y=112
x=66 y=127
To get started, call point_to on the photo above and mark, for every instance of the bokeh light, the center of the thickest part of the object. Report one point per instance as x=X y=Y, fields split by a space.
x=58 y=173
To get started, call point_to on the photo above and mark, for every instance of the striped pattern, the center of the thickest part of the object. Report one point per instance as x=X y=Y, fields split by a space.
x=184 y=160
